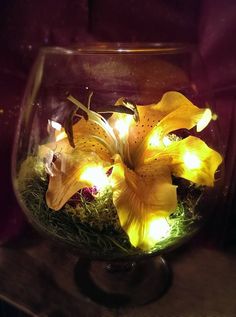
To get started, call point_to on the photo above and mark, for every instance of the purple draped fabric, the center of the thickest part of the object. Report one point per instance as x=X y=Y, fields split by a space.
x=26 y=25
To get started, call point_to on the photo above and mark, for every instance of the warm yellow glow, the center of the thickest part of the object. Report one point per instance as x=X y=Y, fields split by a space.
x=154 y=140
x=191 y=160
x=122 y=125
x=143 y=153
x=61 y=136
x=167 y=141
x=133 y=233
x=214 y=117
x=158 y=229
x=95 y=175
x=59 y=133
x=203 y=122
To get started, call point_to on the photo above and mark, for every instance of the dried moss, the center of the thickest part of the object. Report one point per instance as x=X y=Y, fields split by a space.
x=99 y=213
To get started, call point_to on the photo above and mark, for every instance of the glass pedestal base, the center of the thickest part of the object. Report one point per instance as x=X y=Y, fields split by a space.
x=119 y=284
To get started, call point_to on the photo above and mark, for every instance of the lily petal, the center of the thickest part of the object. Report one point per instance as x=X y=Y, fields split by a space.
x=171 y=101
x=149 y=117
x=83 y=141
x=189 y=158
x=195 y=161
x=174 y=111
x=184 y=117
x=91 y=149
x=177 y=113
x=90 y=129
x=139 y=199
x=131 y=131
x=67 y=178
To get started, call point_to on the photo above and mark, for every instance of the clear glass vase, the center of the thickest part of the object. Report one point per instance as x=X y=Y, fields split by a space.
x=91 y=171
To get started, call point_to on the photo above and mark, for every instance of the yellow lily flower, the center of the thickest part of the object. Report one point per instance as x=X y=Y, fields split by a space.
x=143 y=158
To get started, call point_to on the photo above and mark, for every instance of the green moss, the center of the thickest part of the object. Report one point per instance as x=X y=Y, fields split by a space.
x=99 y=213
x=93 y=226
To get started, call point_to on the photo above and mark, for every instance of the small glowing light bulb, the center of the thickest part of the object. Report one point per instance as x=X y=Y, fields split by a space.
x=214 y=117
x=122 y=125
x=56 y=128
x=95 y=176
x=55 y=125
x=191 y=160
x=166 y=141
x=159 y=229
x=154 y=140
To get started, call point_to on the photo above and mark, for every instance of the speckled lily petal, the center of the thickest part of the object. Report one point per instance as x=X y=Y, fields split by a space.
x=149 y=117
x=138 y=198
x=136 y=131
x=185 y=117
x=189 y=158
x=153 y=114
x=88 y=128
x=83 y=141
x=177 y=113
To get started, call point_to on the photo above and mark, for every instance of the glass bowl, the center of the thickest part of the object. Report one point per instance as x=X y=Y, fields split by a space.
x=113 y=153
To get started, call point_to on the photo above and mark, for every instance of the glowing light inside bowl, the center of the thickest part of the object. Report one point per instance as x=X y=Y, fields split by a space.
x=56 y=129
x=122 y=125
x=95 y=176
x=214 y=116
x=55 y=125
x=154 y=140
x=59 y=133
x=191 y=160
x=159 y=229
x=167 y=141
x=203 y=122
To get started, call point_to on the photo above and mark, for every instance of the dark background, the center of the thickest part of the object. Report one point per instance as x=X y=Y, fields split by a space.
x=26 y=25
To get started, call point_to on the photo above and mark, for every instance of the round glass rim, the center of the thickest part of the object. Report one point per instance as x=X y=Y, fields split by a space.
x=121 y=48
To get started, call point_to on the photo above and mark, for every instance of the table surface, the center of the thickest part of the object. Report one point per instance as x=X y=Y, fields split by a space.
x=37 y=276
